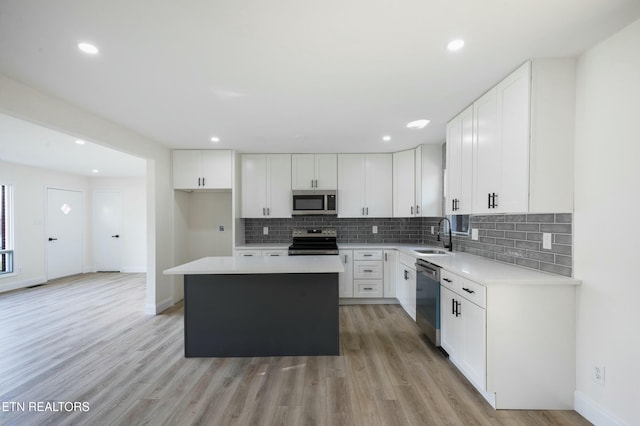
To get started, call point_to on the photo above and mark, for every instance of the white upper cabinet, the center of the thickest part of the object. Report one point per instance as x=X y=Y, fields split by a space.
x=501 y=146
x=404 y=181
x=428 y=180
x=365 y=185
x=266 y=185
x=314 y=171
x=202 y=169
x=459 y=163
x=521 y=150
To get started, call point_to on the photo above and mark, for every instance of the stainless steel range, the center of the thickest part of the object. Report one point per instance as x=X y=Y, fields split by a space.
x=317 y=241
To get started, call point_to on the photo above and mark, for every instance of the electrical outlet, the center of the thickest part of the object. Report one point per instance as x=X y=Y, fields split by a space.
x=598 y=373
x=374 y=229
x=221 y=228
x=432 y=229
x=474 y=234
x=265 y=230
x=546 y=240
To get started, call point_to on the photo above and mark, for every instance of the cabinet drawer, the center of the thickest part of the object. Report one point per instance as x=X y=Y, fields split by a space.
x=367 y=269
x=275 y=252
x=255 y=253
x=451 y=281
x=473 y=292
x=367 y=288
x=367 y=255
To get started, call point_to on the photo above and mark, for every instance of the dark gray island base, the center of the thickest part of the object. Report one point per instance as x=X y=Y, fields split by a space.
x=247 y=315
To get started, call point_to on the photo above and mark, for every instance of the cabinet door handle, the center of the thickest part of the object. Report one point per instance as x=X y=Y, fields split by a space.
x=202 y=181
x=345 y=259
x=447 y=280
x=367 y=270
x=417 y=210
x=367 y=288
x=199 y=181
x=268 y=211
x=363 y=211
x=411 y=210
x=367 y=255
x=385 y=257
x=489 y=203
x=458 y=311
x=367 y=210
x=453 y=306
x=468 y=291
x=406 y=274
x=316 y=182
x=312 y=183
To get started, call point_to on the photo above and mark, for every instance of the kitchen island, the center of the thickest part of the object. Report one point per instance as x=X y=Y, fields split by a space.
x=260 y=306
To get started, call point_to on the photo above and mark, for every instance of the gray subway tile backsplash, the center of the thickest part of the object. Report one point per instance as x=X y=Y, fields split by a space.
x=509 y=238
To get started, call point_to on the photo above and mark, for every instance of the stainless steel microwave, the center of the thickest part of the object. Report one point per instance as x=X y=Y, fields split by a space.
x=314 y=202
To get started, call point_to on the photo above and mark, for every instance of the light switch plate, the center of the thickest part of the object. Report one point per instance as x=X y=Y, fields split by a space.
x=546 y=240
x=265 y=230
x=221 y=228
x=374 y=229
x=474 y=234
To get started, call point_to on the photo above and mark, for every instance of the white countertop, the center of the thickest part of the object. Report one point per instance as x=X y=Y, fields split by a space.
x=260 y=265
x=483 y=271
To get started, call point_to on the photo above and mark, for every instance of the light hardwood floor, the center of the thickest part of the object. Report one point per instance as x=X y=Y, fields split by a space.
x=85 y=338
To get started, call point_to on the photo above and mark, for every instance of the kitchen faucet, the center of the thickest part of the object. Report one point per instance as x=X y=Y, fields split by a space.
x=450 y=245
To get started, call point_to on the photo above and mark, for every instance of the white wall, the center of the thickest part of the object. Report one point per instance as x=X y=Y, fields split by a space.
x=24 y=102
x=134 y=219
x=29 y=189
x=607 y=232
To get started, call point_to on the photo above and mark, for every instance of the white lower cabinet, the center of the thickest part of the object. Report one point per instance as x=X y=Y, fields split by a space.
x=406 y=284
x=390 y=259
x=367 y=273
x=247 y=253
x=345 y=279
x=514 y=341
x=260 y=252
x=463 y=328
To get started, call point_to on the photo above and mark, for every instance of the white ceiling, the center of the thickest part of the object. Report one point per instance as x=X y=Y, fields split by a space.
x=26 y=143
x=289 y=75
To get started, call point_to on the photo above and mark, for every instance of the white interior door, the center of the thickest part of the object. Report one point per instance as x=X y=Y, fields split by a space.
x=107 y=230
x=65 y=231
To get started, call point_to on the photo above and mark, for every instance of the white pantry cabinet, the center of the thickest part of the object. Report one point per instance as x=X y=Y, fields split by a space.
x=314 y=171
x=523 y=141
x=459 y=184
x=202 y=169
x=365 y=185
x=266 y=185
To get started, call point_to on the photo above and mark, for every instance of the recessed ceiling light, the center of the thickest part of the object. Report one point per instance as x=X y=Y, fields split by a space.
x=215 y=139
x=88 y=48
x=418 y=124
x=455 y=45
x=386 y=138
x=95 y=171
x=80 y=142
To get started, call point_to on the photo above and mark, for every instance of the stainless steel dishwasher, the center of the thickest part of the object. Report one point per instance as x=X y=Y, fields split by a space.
x=428 y=300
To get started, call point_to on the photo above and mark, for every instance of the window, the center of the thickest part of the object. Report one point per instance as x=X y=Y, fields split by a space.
x=459 y=224
x=6 y=240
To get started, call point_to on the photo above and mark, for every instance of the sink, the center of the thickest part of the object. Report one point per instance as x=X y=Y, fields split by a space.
x=430 y=251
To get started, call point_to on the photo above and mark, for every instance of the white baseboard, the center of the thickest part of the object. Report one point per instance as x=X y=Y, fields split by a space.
x=134 y=269
x=22 y=284
x=594 y=412
x=156 y=309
